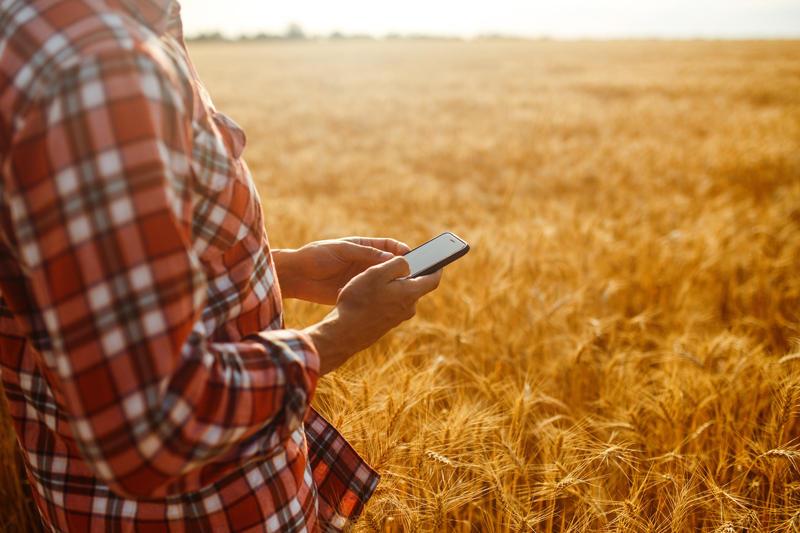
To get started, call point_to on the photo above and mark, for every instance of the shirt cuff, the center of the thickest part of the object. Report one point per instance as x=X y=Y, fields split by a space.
x=295 y=353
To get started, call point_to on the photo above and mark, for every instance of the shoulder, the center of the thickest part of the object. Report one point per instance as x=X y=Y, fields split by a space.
x=56 y=33
x=41 y=40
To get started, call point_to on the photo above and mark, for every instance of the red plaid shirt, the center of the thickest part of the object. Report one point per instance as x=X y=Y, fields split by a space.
x=149 y=380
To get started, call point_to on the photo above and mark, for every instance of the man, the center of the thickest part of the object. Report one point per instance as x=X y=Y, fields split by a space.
x=151 y=384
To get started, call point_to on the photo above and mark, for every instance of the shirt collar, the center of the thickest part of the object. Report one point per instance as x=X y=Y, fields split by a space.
x=153 y=13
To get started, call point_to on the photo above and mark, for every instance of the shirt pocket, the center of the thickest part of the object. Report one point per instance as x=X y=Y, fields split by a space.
x=217 y=146
x=232 y=134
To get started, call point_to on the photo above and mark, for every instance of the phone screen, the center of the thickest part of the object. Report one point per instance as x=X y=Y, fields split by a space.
x=433 y=252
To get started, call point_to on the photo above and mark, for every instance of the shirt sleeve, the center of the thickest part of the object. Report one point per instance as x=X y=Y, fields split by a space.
x=102 y=218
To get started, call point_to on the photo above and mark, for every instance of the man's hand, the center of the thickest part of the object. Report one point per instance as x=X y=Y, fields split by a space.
x=318 y=271
x=371 y=304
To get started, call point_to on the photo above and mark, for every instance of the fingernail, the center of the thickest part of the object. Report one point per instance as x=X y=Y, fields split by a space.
x=385 y=256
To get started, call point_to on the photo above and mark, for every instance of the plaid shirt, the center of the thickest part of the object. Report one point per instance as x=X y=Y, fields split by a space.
x=149 y=380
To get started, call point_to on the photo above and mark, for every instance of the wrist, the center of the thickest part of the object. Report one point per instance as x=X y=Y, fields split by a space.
x=286 y=270
x=329 y=343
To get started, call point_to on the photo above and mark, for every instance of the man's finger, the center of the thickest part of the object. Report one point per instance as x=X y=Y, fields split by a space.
x=391 y=245
x=391 y=270
x=388 y=245
x=352 y=252
x=401 y=248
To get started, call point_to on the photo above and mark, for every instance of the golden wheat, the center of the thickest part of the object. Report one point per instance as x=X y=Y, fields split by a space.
x=619 y=349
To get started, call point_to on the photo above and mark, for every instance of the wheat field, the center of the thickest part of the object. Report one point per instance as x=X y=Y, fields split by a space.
x=620 y=350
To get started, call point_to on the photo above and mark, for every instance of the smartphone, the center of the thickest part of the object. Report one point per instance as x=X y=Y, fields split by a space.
x=429 y=257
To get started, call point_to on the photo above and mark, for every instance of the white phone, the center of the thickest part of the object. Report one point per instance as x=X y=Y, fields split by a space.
x=429 y=257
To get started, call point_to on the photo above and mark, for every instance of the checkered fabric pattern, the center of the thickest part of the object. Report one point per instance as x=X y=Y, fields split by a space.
x=150 y=382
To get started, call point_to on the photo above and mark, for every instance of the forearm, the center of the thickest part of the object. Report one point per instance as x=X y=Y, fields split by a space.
x=329 y=337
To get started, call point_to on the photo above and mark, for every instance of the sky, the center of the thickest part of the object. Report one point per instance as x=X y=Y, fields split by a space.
x=557 y=19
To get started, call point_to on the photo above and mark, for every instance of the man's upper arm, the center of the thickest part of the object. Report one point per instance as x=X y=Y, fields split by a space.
x=102 y=215
x=101 y=210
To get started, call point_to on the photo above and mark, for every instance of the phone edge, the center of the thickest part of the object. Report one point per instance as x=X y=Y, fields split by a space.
x=444 y=262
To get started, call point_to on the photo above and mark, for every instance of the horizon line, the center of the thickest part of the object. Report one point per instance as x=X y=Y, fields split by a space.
x=335 y=35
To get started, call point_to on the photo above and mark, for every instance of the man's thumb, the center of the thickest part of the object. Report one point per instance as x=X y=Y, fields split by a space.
x=394 y=268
